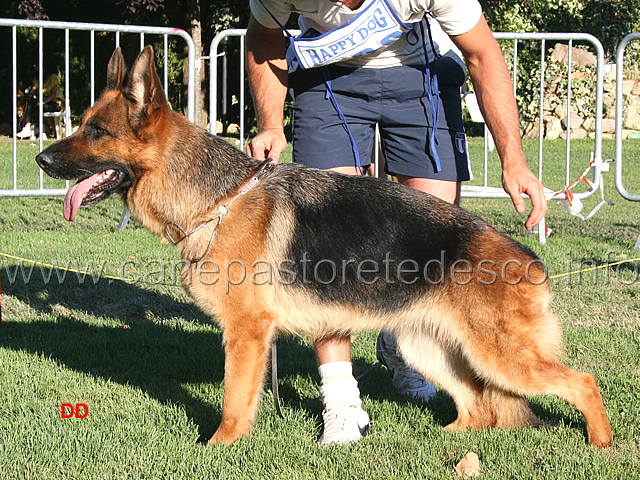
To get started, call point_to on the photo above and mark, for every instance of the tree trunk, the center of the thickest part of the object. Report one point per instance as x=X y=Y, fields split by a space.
x=195 y=30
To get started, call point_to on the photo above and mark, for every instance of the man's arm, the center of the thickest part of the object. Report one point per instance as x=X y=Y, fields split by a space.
x=267 y=68
x=492 y=85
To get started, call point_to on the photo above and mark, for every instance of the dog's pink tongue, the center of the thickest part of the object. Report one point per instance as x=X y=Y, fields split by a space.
x=74 y=196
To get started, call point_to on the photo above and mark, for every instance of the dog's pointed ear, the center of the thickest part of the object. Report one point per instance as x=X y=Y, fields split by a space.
x=144 y=89
x=116 y=71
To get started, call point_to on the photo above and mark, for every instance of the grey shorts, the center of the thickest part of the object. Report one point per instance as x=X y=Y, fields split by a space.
x=394 y=98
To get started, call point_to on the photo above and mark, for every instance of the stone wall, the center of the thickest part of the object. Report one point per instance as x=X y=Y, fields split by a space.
x=581 y=119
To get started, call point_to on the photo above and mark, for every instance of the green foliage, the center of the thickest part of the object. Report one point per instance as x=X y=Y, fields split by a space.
x=582 y=81
x=509 y=16
x=608 y=21
x=611 y=20
x=227 y=14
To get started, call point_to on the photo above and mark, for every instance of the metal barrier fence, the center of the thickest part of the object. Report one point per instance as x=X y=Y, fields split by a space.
x=92 y=29
x=543 y=39
x=597 y=160
x=635 y=197
x=214 y=55
x=619 y=107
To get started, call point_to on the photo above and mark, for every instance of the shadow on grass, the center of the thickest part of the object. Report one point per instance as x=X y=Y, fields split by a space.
x=136 y=340
x=133 y=336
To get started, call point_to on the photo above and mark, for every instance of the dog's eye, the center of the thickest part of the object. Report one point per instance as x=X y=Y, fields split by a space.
x=99 y=131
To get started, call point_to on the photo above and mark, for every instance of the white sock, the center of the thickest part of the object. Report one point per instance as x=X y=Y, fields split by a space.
x=339 y=387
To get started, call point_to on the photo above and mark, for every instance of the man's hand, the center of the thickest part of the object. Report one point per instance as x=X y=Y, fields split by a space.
x=267 y=144
x=519 y=179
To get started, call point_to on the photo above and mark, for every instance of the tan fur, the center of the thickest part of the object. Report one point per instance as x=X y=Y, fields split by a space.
x=486 y=338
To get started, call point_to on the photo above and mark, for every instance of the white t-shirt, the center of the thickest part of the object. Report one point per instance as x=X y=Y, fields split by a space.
x=454 y=17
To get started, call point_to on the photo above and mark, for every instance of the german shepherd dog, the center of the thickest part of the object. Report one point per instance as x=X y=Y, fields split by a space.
x=286 y=248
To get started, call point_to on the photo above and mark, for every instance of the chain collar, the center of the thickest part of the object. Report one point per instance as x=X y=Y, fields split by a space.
x=223 y=209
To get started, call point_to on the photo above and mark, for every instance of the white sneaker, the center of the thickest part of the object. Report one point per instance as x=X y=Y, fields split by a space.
x=404 y=378
x=344 y=425
x=26 y=132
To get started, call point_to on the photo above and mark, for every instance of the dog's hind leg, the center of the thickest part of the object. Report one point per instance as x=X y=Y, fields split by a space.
x=581 y=390
x=479 y=404
x=510 y=342
x=528 y=370
x=578 y=388
x=449 y=370
x=524 y=362
x=247 y=342
x=549 y=376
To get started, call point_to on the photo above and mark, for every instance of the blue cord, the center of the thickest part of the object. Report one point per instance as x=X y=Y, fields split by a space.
x=329 y=95
x=435 y=105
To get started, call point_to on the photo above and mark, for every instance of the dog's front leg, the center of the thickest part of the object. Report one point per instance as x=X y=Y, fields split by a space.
x=246 y=354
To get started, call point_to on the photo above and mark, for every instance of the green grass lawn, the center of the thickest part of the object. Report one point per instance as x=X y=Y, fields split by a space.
x=149 y=365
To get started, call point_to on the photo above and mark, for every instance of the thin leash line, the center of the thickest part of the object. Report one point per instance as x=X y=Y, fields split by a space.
x=129 y=280
x=81 y=272
x=590 y=269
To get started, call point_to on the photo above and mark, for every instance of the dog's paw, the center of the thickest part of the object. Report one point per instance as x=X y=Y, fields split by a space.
x=457 y=426
x=605 y=439
x=224 y=436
